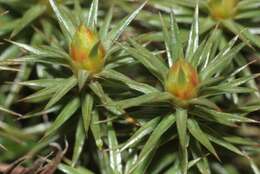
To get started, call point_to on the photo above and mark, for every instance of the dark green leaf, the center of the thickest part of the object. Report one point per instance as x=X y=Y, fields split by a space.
x=115 y=33
x=141 y=133
x=115 y=75
x=143 y=99
x=152 y=142
x=86 y=109
x=64 y=115
x=34 y=12
x=62 y=90
x=96 y=130
x=195 y=131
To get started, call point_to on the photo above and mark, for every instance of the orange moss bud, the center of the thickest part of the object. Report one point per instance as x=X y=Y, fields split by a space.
x=86 y=50
x=182 y=80
x=222 y=9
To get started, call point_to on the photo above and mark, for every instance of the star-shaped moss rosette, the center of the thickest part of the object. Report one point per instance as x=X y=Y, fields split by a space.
x=76 y=73
x=190 y=84
x=229 y=15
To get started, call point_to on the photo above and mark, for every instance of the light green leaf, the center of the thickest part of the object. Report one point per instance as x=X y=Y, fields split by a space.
x=167 y=41
x=44 y=51
x=254 y=167
x=177 y=48
x=193 y=41
x=82 y=78
x=93 y=14
x=103 y=32
x=5 y=110
x=79 y=142
x=72 y=170
x=64 y=22
x=41 y=82
x=6 y=68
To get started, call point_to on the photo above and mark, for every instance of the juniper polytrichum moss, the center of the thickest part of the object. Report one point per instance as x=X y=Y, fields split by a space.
x=120 y=87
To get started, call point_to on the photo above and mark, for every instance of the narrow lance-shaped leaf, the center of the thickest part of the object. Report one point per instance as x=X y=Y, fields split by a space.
x=41 y=95
x=3 y=109
x=196 y=132
x=225 y=144
x=69 y=170
x=121 y=26
x=96 y=130
x=93 y=14
x=193 y=41
x=61 y=91
x=220 y=62
x=86 y=109
x=143 y=99
x=82 y=78
x=254 y=167
x=162 y=127
x=114 y=152
x=112 y=74
x=142 y=167
x=79 y=142
x=103 y=32
x=167 y=41
x=243 y=33
x=177 y=48
x=181 y=121
x=105 y=99
x=41 y=82
x=227 y=117
x=30 y=15
x=203 y=164
x=141 y=133
x=65 y=23
x=153 y=63
x=44 y=51
x=64 y=115
x=6 y=68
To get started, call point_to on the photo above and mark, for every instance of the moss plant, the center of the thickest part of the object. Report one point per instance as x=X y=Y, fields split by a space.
x=112 y=87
